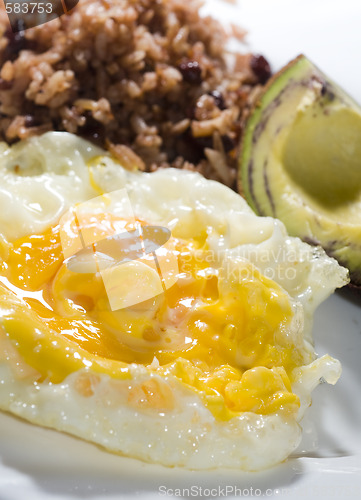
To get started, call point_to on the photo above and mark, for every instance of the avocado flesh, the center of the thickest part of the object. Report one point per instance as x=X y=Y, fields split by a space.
x=301 y=161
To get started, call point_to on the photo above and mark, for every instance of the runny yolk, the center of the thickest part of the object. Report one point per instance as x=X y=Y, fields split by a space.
x=221 y=336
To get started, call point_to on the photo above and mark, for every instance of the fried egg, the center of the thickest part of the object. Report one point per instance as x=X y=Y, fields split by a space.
x=196 y=353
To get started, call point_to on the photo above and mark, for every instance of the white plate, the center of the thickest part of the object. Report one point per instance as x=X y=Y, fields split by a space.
x=40 y=464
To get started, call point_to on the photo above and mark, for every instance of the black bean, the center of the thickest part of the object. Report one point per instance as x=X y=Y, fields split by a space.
x=190 y=112
x=6 y=84
x=17 y=26
x=203 y=142
x=16 y=43
x=29 y=121
x=92 y=129
x=218 y=99
x=191 y=72
x=14 y=46
x=192 y=148
x=261 y=68
x=228 y=143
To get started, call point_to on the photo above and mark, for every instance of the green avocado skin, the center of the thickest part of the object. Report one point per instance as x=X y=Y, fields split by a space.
x=300 y=161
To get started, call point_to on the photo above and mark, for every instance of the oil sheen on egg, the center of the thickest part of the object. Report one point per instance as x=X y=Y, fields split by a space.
x=192 y=349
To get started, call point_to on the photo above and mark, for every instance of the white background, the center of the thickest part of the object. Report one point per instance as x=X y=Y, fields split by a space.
x=39 y=464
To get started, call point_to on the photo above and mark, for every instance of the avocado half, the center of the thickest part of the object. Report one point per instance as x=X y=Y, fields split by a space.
x=301 y=161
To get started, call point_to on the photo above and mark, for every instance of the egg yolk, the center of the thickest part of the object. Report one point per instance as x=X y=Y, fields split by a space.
x=222 y=332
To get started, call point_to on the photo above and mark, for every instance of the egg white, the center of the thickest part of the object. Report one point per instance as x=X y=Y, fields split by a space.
x=41 y=179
